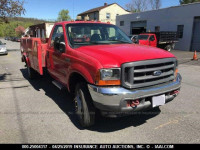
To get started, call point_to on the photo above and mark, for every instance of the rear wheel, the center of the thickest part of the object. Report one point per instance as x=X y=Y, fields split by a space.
x=84 y=108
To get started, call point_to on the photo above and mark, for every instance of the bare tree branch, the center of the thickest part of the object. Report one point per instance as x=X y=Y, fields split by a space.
x=155 y=4
x=10 y=8
x=137 y=5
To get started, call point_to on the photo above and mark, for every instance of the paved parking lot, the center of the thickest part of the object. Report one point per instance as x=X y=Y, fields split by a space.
x=37 y=112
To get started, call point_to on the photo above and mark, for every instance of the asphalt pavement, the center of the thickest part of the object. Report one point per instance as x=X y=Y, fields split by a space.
x=35 y=111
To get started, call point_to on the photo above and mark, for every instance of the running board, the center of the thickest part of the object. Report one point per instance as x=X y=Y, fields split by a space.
x=58 y=84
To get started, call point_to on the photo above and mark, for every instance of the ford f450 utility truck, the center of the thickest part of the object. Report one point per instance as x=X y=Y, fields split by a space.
x=103 y=69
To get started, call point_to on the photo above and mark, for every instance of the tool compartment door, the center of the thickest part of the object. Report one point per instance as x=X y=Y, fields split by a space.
x=37 y=55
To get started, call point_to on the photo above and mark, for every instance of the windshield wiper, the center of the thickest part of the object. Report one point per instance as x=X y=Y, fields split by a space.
x=121 y=41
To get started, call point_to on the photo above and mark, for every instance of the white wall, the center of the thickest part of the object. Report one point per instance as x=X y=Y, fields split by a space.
x=167 y=19
x=113 y=10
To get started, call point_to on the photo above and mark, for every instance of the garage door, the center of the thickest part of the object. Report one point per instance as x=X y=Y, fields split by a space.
x=138 y=27
x=196 y=35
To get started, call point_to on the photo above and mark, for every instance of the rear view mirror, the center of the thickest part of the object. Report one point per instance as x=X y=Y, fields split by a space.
x=4 y=43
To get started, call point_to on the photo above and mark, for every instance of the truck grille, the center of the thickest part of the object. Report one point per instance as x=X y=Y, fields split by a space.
x=147 y=73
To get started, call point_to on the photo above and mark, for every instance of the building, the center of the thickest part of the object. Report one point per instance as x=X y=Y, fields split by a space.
x=184 y=19
x=106 y=13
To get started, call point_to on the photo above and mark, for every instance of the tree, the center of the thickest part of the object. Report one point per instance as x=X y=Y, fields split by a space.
x=10 y=8
x=137 y=5
x=155 y=4
x=64 y=15
x=188 y=1
x=19 y=30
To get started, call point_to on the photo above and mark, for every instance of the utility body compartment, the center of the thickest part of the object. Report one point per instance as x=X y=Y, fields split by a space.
x=35 y=50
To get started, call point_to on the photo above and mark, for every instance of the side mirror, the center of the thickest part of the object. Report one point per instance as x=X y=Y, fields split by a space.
x=62 y=47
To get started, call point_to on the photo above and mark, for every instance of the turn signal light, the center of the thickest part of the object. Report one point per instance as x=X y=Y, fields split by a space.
x=175 y=74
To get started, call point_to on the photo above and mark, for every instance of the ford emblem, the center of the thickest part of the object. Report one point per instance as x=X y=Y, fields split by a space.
x=157 y=73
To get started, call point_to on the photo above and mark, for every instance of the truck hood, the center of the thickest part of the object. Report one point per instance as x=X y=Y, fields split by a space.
x=111 y=56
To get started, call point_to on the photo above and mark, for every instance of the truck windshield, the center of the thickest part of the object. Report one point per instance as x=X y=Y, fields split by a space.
x=143 y=37
x=82 y=34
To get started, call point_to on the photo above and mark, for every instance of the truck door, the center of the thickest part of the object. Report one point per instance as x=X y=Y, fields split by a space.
x=57 y=57
x=152 y=41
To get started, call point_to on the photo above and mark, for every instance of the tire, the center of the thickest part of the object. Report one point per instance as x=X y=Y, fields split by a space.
x=31 y=73
x=168 y=48
x=84 y=108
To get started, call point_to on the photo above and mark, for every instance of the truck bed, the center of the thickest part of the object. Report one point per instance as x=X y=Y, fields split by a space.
x=166 y=37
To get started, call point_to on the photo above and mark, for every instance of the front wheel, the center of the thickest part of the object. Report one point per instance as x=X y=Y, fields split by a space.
x=84 y=108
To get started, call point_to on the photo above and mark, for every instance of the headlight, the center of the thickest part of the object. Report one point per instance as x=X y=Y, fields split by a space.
x=108 y=76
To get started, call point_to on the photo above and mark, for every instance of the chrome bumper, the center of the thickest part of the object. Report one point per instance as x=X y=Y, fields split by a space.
x=4 y=52
x=115 y=98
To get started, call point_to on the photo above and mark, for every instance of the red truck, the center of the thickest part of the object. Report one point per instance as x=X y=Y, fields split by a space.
x=165 y=39
x=103 y=69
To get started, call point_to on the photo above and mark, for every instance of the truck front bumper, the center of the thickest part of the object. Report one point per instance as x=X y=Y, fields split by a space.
x=114 y=99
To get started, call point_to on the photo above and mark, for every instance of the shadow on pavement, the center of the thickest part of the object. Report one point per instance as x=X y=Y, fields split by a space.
x=65 y=103
x=3 y=76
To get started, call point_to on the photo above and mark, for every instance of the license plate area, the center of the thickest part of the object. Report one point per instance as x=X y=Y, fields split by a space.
x=158 y=100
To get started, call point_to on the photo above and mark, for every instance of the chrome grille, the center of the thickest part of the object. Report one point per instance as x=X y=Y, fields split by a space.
x=143 y=73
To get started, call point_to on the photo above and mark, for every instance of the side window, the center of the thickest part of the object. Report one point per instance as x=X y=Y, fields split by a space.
x=107 y=15
x=152 y=38
x=111 y=32
x=121 y=23
x=57 y=33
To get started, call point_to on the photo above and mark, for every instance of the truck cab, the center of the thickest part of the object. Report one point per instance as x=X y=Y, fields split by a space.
x=147 y=39
x=103 y=69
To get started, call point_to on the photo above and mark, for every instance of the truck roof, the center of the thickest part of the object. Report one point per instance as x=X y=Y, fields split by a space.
x=74 y=22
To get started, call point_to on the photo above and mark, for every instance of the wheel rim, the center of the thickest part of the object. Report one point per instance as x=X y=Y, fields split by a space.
x=78 y=104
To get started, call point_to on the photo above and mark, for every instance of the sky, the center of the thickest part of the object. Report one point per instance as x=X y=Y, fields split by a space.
x=49 y=9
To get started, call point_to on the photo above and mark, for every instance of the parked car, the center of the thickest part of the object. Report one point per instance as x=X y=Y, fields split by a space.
x=12 y=38
x=3 y=49
x=6 y=38
x=17 y=39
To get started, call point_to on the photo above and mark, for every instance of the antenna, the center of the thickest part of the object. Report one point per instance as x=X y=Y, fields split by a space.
x=73 y=9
